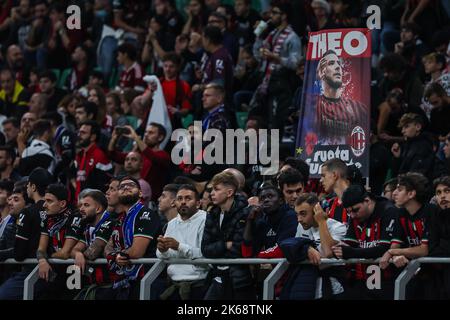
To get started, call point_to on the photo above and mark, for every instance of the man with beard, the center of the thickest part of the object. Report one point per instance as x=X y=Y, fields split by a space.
x=267 y=225
x=97 y=225
x=182 y=240
x=92 y=165
x=439 y=244
x=60 y=231
x=133 y=237
x=15 y=62
x=25 y=135
x=28 y=233
x=336 y=116
x=279 y=54
x=85 y=111
x=16 y=203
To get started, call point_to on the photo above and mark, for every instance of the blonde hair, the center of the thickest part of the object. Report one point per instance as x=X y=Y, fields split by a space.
x=225 y=178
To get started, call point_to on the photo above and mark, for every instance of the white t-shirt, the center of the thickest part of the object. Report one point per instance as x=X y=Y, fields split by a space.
x=337 y=231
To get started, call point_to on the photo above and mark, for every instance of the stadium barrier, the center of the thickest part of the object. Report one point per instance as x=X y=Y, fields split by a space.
x=158 y=265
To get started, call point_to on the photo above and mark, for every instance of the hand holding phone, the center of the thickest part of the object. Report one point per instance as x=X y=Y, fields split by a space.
x=122 y=130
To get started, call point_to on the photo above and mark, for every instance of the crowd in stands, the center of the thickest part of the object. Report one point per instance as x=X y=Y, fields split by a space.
x=84 y=173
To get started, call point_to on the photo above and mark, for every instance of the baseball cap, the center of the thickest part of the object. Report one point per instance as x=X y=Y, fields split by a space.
x=353 y=195
x=40 y=177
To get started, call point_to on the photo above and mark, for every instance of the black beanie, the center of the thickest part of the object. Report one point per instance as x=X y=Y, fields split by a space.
x=353 y=195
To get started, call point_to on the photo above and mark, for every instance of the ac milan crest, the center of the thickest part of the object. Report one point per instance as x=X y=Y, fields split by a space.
x=358 y=141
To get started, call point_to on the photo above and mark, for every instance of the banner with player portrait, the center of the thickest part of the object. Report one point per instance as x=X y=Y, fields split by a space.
x=334 y=117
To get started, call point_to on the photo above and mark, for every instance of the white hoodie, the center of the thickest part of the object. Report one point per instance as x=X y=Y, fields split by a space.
x=189 y=234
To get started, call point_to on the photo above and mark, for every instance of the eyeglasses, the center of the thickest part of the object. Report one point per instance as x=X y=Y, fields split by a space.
x=275 y=12
x=127 y=185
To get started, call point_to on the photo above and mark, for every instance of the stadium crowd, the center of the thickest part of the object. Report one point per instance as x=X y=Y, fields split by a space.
x=86 y=175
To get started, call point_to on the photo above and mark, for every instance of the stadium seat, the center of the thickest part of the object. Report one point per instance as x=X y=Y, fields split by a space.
x=187 y=120
x=63 y=79
x=114 y=78
x=241 y=119
x=57 y=73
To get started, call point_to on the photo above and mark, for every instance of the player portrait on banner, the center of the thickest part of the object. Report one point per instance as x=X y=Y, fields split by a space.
x=336 y=116
x=334 y=113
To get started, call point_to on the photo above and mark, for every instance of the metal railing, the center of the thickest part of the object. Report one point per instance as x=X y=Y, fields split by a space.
x=409 y=271
x=158 y=266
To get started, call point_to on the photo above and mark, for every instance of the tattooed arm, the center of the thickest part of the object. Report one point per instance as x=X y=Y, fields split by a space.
x=95 y=250
x=109 y=248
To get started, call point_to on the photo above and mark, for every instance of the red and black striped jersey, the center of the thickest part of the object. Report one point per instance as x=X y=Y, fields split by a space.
x=314 y=185
x=378 y=230
x=337 y=211
x=336 y=118
x=413 y=229
x=132 y=78
x=60 y=227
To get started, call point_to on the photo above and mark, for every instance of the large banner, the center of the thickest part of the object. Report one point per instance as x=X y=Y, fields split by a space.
x=335 y=106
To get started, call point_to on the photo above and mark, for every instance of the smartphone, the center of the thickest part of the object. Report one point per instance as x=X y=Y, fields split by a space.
x=122 y=130
x=325 y=205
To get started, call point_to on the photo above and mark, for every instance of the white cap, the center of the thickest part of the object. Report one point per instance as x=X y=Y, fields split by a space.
x=322 y=3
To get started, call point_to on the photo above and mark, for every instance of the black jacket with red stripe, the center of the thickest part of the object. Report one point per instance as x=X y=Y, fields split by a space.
x=371 y=238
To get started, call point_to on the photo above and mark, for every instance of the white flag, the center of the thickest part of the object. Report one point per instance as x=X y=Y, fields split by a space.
x=159 y=112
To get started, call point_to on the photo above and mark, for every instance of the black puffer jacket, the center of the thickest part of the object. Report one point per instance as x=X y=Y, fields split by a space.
x=416 y=155
x=232 y=229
